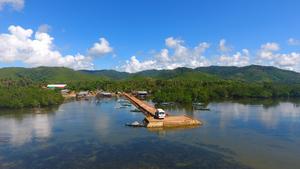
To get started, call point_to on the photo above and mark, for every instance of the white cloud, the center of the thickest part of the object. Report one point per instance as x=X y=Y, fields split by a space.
x=266 y=50
x=179 y=55
x=36 y=49
x=223 y=46
x=173 y=43
x=175 y=55
x=100 y=48
x=271 y=46
x=227 y=59
x=134 y=65
x=293 y=42
x=238 y=59
x=267 y=56
x=288 y=61
x=16 y=4
x=45 y=28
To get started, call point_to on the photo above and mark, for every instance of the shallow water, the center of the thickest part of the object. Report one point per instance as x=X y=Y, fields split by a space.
x=86 y=134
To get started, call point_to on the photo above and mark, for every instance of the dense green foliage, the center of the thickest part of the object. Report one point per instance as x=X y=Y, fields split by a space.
x=194 y=91
x=46 y=75
x=179 y=85
x=23 y=93
x=253 y=73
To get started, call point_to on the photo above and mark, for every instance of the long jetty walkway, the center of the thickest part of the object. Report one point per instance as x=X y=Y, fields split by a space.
x=168 y=121
x=144 y=107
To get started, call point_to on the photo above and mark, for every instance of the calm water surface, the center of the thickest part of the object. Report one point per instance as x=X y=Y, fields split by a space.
x=86 y=134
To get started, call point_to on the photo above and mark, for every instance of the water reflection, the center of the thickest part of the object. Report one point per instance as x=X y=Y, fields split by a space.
x=22 y=126
x=91 y=134
x=102 y=124
x=268 y=111
x=270 y=117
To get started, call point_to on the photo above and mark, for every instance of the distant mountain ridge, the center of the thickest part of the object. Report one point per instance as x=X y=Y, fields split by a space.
x=252 y=73
x=46 y=74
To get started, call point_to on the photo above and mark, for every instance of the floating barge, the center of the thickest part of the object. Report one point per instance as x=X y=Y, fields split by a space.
x=169 y=121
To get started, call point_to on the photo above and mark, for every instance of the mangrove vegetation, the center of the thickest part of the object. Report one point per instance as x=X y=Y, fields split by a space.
x=23 y=87
x=22 y=93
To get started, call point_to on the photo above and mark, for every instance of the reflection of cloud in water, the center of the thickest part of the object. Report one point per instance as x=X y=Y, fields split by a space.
x=22 y=131
x=102 y=124
x=269 y=117
x=42 y=126
x=230 y=111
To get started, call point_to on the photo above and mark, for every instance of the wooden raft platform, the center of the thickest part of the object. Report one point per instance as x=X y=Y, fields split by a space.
x=169 y=121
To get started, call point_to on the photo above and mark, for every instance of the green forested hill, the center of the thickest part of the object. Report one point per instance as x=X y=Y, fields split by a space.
x=253 y=73
x=21 y=87
x=178 y=74
x=46 y=74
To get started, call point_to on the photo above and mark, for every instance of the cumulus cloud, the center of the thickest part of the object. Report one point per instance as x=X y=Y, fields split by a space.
x=289 y=61
x=36 y=49
x=15 y=4
x=293 y=42
x=237 y=59
x=100 y=48
x=266 y=50
x=269 y=55
x=223 y=47
x=227 y=58
x=179 y=55
x=175 y=55
x=171 y=42
x=134 y=65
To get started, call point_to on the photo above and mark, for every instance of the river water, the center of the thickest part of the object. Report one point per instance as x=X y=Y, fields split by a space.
x=242 y=134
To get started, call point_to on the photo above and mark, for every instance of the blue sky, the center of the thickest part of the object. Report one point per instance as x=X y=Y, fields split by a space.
x=254 y=32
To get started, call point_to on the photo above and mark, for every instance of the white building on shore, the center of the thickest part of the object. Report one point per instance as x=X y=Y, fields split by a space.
x=54 y=86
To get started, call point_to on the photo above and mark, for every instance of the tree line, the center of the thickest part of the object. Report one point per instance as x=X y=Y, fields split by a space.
x=186 y=91
x=25 y=93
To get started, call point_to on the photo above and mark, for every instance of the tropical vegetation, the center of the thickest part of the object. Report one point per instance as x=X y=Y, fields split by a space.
x=22 y=87
x=23 y=93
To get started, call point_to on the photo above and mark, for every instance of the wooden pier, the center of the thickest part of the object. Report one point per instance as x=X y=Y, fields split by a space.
x=168 y=121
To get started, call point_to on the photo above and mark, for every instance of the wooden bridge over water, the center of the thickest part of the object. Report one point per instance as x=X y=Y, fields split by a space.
x=169 y=121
